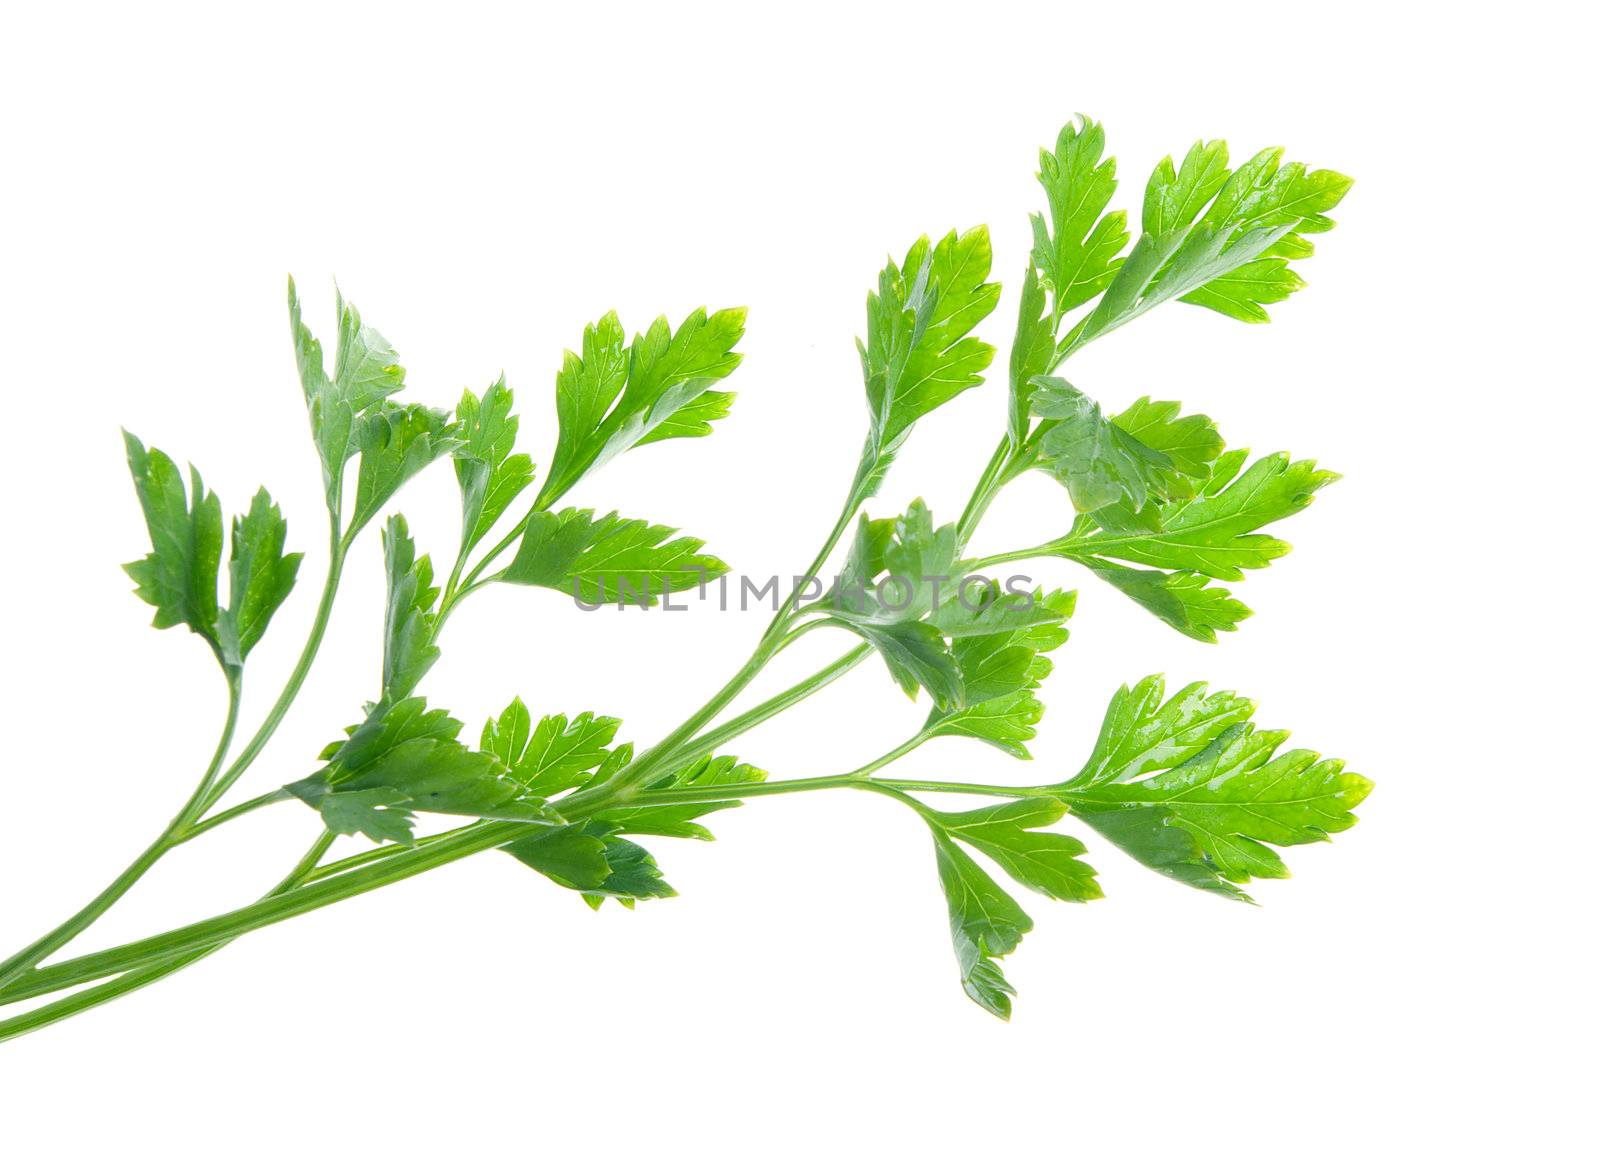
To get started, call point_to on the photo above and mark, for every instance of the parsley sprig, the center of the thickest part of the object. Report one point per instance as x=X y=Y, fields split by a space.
x=1158 y=508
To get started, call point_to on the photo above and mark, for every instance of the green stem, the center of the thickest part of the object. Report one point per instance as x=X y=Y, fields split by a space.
x=448 y=848
x=995 y=476
x=778 y=703
x=73 y=926
x=379 y=867
x=212 y=784
x=221 y=928
x=338 y=549
x=188 y=825
x=471 y=582
x=798 y=632
x=989 y=484
x=817 y=783
x=889 y=757
x=238 y=810
x=1005 y=557
x=356 y=860
x=448 y=603
x=899 y=794
x=138 y=978
x=651 y=764
x=773 y=640
x=853 y=502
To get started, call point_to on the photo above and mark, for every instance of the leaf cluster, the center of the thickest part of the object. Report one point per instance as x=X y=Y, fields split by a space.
x=1155 y=504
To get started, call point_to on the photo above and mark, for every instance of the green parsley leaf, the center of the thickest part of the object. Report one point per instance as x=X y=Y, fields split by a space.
x=1150 y=838
x=1187 y=601
x=1009 y=834
x=693 y=419
x=1141 y=733
x=1175 y=197
x=1077 y=251
x=1007 y=721
x=567 y=855
x=1099 y=462
x=1161 y=774
x=985 y=924
x=1247 y=213
x=868 y=554
x=633 y=875
x=1190 y=443
x=679 y=820
x=408 y=621
x=1241 y=293
x=918 y=353
x=999 y=673
x=916 y=655
x=975 y=607
x=366 y=373
x=590 y=858
x=179 y=576
x=1264 y=194
x=395 y=444
x=909 y=614
x=610 y=560
x=920 y=560
x=260 y=578
x=366 y=370
x=555 y=755
x=587 y=386
x=404 y=759
x=1218 y=532
x=612 y=398
x=489 y=474
x=1032 y=355
x=1200 y=517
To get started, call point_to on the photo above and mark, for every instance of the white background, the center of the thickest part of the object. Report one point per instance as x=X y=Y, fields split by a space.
x=482 y=183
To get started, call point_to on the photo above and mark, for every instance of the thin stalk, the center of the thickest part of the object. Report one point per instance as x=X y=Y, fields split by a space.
x=798 y=632
x=459 y=588
x=187 y=826
x=778 y=703
x=851 y=780
x=1021 y=553
x=889 y=757
x=471 y=582
x=771 y=641
x=338 y=549
x=989 y=484
x=901 y=795
x=651 y=761
x=138 y=978
x=213 y=783
x=449 y=603
x=341 y=865
x=450 y=847
x=221 y=928
x=994 y=477
x=249 y=806
x=379 y=867
x=74 y=925
x=847 y=515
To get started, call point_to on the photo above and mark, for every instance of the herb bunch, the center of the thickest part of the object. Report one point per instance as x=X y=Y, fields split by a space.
x=1162 y=512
